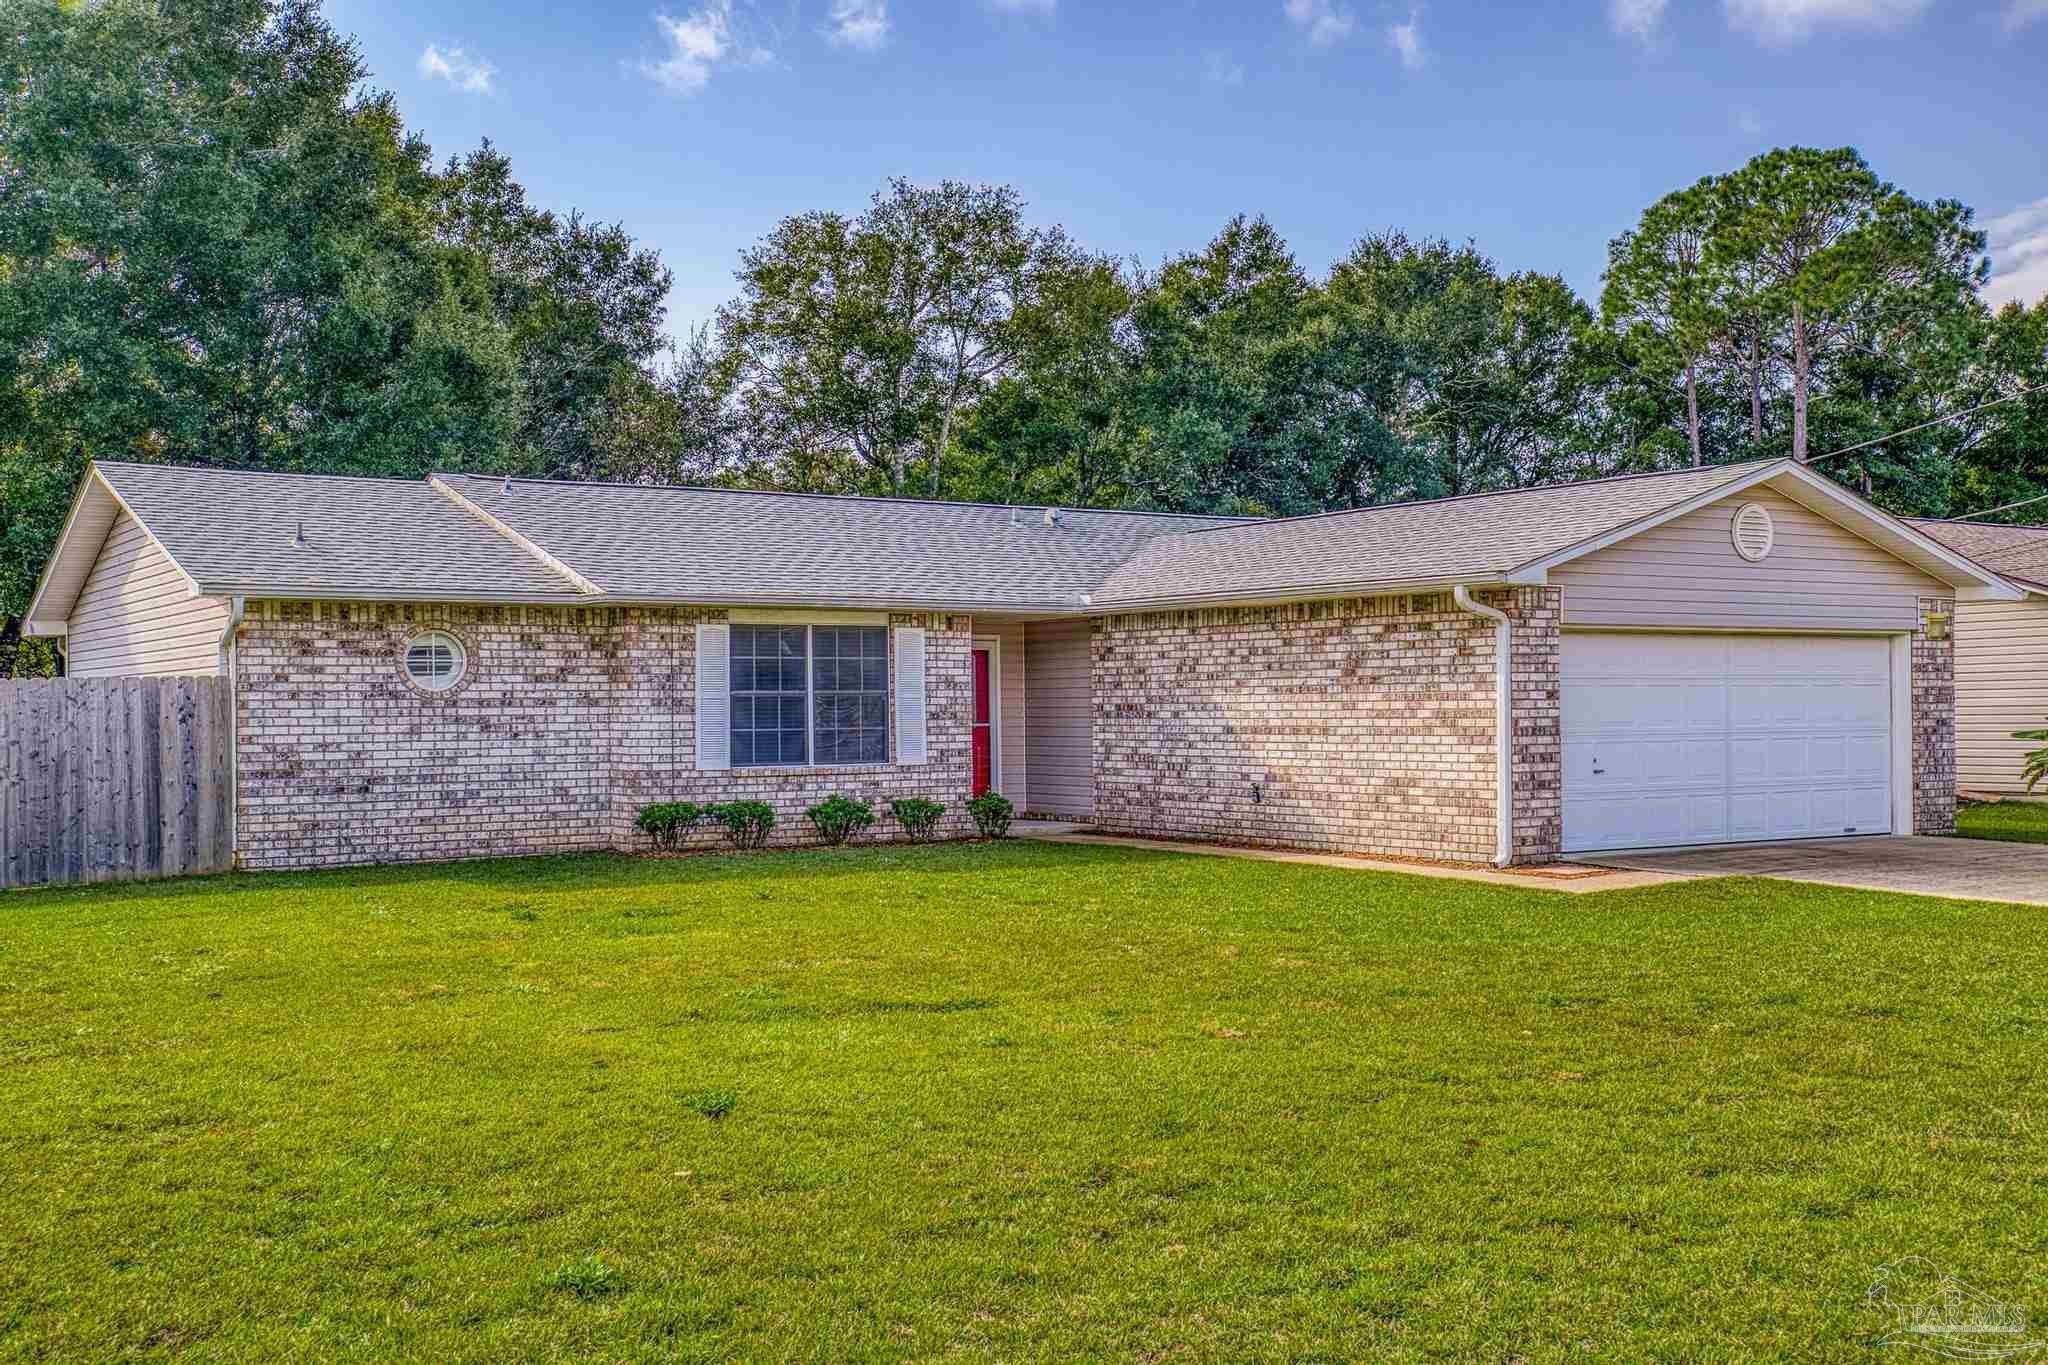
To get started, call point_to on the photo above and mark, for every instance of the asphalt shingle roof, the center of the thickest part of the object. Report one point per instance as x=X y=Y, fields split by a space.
x=718 y=545
x=2019 y=552
x=1478 y=537
x=236 y=530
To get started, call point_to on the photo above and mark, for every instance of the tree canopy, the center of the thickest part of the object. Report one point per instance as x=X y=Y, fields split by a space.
x=219 y=246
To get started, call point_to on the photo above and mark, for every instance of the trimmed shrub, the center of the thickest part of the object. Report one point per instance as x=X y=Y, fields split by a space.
x=668 y=822
x=839 y=817
x=919 y=817
x=991 y=812
x=746 y=822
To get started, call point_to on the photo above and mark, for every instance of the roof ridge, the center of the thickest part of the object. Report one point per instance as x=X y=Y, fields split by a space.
x=859 y=497
x=525 y=544
x=1492 y=493
x=386 y=479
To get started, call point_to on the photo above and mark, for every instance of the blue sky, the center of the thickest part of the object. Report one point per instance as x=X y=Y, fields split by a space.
x=1538 y=131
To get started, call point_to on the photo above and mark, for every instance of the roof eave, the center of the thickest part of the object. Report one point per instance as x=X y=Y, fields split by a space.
x=1308 y=592
x=285 y=592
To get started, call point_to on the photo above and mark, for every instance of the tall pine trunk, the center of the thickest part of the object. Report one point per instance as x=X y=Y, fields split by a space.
x=1692 y=412
x=1802 y=373
x=1756 y=389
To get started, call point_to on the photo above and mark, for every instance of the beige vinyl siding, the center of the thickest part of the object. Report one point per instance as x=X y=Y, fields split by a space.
x=1059 y=742
x=1013 y=763
x=2001 y=686
x=137 y=614
x=1686 y=574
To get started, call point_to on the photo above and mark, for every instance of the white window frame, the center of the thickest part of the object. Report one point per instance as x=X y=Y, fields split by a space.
x=458 y=648
x=810 y=628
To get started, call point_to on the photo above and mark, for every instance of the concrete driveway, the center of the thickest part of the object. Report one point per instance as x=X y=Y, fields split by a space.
x=1973 y=869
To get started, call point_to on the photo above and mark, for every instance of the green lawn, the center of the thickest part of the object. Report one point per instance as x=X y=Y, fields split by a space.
x=1013 y=1101
x=2020 y=822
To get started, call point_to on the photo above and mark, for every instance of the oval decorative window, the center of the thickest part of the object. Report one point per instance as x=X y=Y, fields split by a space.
x=1753 y=531
x=434 y=661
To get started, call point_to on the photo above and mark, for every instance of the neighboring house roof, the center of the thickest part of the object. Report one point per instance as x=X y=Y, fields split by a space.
x=476 y=538
x=658 y=543
x=2017 y=552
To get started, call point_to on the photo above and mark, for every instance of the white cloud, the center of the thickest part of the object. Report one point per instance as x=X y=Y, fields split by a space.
x=1219 y=68
x=1641 y=20
x=698 y=44
x=1788 y=21
x=1321 y=20
x=2020 y=13
x=2018 y=248
x=1406 y=39
x=458 y=68
x=862 y=24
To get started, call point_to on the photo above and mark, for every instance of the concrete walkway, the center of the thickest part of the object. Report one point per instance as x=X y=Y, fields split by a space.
x=1971 y=869
x=1568 y=878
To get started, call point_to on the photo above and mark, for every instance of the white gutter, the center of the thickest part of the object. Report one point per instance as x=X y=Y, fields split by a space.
x=237 y=606
x=1504 y=720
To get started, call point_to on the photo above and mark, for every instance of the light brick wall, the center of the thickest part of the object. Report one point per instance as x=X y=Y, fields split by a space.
x=567 y=721
x=658 y=739
x=1934 y=718
x=1369 y=724
x=1539 y=725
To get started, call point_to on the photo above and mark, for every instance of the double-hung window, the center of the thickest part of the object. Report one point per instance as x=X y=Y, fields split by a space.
x=806 y=695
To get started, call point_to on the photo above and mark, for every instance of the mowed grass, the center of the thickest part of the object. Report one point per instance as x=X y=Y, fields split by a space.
x=2020 y=822
x=1003 y=1102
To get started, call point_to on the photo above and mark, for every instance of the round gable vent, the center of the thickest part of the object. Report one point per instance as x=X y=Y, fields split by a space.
x=1753 y=531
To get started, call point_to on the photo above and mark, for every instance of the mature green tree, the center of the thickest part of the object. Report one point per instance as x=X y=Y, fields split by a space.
x=1252 y=391
x=2000 y=455
x=583 y=304
x=1495 y=372
x=1660 y=296
x=1832 y=251
x=1056 y=430
x=217 y=252
x=872 y=335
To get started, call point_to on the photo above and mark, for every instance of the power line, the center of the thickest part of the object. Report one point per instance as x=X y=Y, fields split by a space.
x=1949 y=417
x=1994 y=511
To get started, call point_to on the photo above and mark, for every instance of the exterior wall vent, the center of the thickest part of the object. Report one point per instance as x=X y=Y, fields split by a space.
x=1753 y=531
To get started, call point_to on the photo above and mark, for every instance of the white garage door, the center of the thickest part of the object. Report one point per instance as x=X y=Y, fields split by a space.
x=1708 y=739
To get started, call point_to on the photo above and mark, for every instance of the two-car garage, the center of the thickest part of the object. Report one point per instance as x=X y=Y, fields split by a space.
x=1722 y=738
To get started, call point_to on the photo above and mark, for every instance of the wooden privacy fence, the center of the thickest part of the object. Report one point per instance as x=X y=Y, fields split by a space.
x=109 y=778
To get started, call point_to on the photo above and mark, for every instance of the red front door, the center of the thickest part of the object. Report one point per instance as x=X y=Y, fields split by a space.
x=984 y=751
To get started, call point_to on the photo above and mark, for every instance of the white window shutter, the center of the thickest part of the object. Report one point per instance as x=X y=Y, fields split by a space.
x=910 y=707
x=714 y=695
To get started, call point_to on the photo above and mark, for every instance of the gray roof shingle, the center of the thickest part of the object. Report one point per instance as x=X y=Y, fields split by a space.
x=387 y=538
x=2017 y=552
x=1478 y=537
x=237 y=531
x=719 y=545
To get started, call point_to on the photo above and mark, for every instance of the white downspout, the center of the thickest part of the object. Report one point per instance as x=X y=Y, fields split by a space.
x=1504 y=720
x=237 y=605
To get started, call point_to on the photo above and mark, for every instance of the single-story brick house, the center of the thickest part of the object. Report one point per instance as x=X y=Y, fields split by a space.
x=2001 y=655
x=466 y=665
